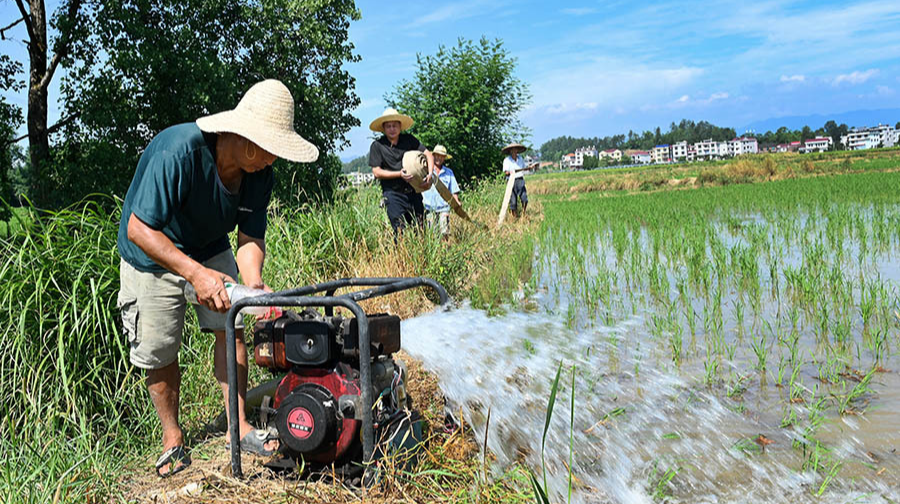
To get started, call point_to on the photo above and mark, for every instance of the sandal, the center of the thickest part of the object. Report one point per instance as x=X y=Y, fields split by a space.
x=255 y=442
x=173 y=456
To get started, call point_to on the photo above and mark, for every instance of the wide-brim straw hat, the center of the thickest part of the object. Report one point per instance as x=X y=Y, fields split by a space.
x=265 y=116
x=519 y=147
x=441 y=150
x=388 y=115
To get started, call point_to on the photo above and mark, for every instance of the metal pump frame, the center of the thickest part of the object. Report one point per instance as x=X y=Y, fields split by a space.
x=305 y=296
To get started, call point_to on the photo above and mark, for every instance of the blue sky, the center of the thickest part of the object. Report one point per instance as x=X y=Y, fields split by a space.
x=602 y=68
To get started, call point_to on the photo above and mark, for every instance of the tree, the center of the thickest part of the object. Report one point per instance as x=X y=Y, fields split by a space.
x=135 y=67
x=467 y=98
x=591 y=162
x=897 y=126
x=40 y=75
x=806 y=133
x=10 y=119
x=835 y=132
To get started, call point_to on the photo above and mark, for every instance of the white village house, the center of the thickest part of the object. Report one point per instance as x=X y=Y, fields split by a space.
x=820 y=144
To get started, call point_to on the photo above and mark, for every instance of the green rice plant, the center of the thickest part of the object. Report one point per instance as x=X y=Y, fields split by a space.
x=711 y=368
x=746 y=446
x=788 y=418
x=758 y=345
x=860 y=389
x=660 y=479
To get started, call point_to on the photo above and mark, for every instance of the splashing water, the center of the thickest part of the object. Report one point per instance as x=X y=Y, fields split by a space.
x=644 y=429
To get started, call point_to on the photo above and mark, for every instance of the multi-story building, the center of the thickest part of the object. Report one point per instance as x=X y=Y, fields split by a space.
x=821 y=144
x=707 y=149
x=869 y=138
x=581 y=152
x=568 y=161
x=612 y=155
x=679 y=151
x=743 y=145
x=639 y=157
x=357 y=179
x=782 y=147
x=661 y=154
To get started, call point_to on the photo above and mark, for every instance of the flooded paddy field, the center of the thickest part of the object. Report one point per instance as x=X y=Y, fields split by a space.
x=731 y=344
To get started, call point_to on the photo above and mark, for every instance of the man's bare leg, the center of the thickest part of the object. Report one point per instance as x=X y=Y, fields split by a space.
x=221 y=371
x=164 y=385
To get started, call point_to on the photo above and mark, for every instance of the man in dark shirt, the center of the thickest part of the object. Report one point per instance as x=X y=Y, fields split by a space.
x=401 y=201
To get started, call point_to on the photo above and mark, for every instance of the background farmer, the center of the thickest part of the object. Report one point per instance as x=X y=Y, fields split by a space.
x=514 y=166
x=194 y=183
x=437 y=210
x=402 y=203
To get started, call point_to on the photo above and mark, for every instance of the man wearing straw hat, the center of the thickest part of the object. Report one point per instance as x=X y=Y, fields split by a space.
x=402 y=201
x=437 y=211
x=514 y=167
x=193 y=185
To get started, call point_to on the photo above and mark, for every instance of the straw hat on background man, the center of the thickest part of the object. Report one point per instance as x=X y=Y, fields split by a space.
x=440 y=150
x=519 y=148
x=389 y=115
x=265 y=116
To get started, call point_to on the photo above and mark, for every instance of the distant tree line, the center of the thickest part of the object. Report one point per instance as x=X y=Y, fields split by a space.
x=686 y=130
x=360 y=164
x=691 y=132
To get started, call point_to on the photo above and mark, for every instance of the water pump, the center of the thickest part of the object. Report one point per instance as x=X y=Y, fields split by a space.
x=343 y=401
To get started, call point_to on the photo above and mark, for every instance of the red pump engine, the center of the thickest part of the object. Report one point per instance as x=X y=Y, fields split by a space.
x=317 y=405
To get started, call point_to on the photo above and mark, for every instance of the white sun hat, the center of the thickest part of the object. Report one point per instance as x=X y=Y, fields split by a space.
x=265 y=116
x=440 y=149
x=388 y=115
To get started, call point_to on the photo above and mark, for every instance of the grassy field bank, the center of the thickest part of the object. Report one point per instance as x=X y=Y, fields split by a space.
x=78 y=425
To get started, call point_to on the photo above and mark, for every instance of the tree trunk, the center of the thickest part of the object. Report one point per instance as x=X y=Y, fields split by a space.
x=38 y=138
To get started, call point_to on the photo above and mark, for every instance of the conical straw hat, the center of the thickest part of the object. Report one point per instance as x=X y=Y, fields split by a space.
x=517 y=146
x=388 y=115
x=440 y=149
x=265 y=116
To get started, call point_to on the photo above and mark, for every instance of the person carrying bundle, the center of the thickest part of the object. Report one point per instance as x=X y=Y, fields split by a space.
x=402 y=201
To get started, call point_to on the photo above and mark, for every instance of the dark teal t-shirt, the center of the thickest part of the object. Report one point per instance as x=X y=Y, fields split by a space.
x=176 y=190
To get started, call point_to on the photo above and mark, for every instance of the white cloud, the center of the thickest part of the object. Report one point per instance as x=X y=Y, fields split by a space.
x=580 y=11
x=855 y=77
x=566 y=108
x=716 y=96
x=683 y=99
x=884 y=91
x=450 y=12
x=607 y=82
x=793 y=78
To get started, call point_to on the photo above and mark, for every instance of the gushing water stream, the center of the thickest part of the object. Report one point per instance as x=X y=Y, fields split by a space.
x=637 y=419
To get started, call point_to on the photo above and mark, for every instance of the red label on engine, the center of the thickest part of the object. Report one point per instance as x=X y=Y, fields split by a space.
x=300 y=423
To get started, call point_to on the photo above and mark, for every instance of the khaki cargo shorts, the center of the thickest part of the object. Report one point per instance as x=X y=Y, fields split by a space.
x=153 y=309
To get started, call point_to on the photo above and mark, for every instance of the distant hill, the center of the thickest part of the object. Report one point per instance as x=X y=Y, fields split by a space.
x=360 y=164
x=853 y=118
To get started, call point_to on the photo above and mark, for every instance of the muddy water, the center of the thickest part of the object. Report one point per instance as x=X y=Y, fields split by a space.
x=648 y=430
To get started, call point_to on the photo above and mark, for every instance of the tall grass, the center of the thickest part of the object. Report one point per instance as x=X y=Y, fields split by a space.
x=70 y=402
x=76 y=414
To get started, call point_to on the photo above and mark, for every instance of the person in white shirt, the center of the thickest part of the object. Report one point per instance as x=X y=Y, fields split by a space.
x=514 y=167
